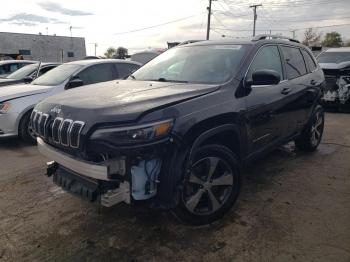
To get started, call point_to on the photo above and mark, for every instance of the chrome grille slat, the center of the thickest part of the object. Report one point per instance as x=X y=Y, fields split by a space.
x=36 y=121
x=79 y=125
x=56 y=130
x=65 y=132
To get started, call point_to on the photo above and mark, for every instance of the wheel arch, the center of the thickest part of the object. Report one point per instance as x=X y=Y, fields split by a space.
x=221 y=130
x=21 y=116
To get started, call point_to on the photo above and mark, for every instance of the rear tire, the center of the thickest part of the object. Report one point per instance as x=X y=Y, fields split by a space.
x=25 y=129
x=211 y=187
x=311 y=136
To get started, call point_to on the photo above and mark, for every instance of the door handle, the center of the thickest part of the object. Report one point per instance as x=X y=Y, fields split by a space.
x=313 y=82
x=286 y=90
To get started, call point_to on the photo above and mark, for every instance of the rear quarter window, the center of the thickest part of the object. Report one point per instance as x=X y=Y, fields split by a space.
x=309 y=61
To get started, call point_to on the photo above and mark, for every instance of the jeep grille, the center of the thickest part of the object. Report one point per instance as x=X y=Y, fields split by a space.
x=65 y=132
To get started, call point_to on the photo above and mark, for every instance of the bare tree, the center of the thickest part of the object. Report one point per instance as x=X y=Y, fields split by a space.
x=312 y=37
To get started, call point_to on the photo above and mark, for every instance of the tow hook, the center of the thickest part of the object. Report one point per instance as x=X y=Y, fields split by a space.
x=51 y=168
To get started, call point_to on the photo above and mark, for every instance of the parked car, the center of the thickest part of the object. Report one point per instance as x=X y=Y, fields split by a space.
x=9 y=66
x=335 y=63
x=17 y=102
x=27 y=73
x=179 y=138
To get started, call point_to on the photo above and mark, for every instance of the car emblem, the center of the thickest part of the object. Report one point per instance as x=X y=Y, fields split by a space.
x=56 y=110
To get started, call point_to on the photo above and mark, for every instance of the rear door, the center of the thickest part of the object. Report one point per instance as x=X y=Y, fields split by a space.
x=265 y=106
x=300 y=81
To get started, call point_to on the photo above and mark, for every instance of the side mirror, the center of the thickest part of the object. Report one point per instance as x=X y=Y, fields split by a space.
x=265 y=77
x=28 y=79
x=75 y=82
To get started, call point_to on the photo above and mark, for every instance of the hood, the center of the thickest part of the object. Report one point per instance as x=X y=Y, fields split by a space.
x=16 y=91
x=119 y=101
x=8 y=81
x=335 y=65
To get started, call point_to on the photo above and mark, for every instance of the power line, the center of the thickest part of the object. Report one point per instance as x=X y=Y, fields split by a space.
x=284 y=30
x=158 y=25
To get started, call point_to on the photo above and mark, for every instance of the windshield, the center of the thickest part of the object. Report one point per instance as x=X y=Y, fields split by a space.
x=23 y=72
x=57 y=75
x=195 y=64
x=334 y=57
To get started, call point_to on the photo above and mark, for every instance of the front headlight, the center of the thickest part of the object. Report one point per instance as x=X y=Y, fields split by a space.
x=4 y=107
x=135 y=134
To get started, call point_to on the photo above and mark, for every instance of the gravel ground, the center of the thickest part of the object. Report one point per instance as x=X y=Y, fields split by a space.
x=293 y=207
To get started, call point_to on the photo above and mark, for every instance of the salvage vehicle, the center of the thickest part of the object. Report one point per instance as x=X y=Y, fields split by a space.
x=335 y=63
x=9 y=66
x=179 y=138
x=27 y=73
x=18 y=101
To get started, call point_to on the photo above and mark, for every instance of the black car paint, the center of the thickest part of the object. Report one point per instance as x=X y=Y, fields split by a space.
x=256 y=118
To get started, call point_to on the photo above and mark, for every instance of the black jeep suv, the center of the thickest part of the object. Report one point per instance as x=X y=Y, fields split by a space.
x=178 y=131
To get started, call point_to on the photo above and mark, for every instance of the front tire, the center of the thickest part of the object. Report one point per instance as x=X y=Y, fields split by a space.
x=26 y=132
x=211 y=187
x=311 y=136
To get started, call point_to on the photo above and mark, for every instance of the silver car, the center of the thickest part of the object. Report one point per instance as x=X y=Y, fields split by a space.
x=9 y=66
x=18 y=101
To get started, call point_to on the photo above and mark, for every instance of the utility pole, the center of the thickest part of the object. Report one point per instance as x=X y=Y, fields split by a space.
x=255 y=15
x=293 y=33
x=209 y=16
x=95 y=44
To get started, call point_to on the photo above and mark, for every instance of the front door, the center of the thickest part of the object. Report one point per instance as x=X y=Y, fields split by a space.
x=266 y=110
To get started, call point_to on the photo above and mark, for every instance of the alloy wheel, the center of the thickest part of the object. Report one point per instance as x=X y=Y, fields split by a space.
x=316 y=129
x=31 y=131
x=209 y=186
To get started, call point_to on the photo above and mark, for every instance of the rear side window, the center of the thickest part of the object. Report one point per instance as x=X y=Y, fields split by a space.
x=97 y=73
x=295 y=66
x=268 y=57
x=125 y=69
x=310 y=63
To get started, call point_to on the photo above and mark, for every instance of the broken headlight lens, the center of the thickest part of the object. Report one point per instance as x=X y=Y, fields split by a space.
x=4 y=107
x=135 y=134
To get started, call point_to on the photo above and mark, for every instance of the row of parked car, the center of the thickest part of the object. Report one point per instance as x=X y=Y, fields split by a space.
x=47 y=79
x=179 y=129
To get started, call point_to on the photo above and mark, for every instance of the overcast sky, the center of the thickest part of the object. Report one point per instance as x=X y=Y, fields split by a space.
x=123 y=23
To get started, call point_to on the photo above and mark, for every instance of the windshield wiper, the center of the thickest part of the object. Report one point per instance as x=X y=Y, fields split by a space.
x=162 y=79
x=132 y=76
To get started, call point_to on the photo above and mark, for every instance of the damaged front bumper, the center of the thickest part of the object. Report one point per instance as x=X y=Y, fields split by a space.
x=121 y=179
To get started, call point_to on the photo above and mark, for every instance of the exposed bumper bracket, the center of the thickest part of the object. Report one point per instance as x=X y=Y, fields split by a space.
x=85 y=168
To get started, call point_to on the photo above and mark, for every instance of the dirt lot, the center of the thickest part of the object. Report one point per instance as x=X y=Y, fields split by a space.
x=293 y=207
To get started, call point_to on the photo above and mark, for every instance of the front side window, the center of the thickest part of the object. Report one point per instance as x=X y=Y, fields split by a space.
x=97 y=73
x=295 y=66
x=57 y=75
x=269 y=58
x=209 y=64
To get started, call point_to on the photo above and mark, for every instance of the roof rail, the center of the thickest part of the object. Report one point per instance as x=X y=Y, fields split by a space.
x=266 y=36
